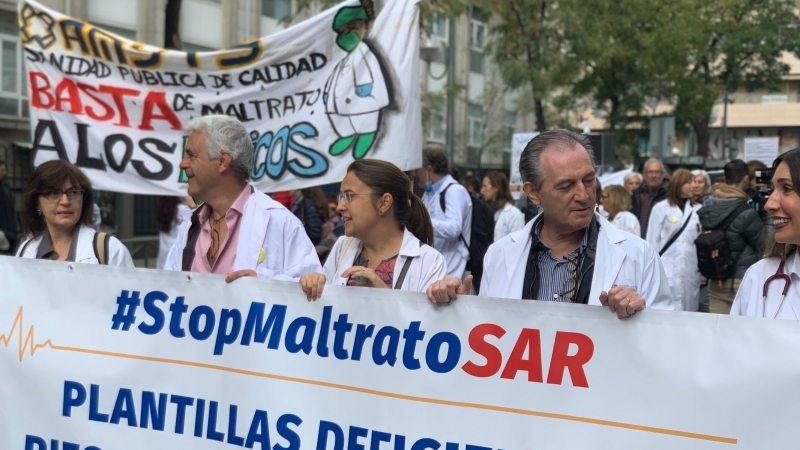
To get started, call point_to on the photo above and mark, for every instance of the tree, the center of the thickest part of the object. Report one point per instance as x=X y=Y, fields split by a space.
x=620 y=53
x=526 y=42
x=732 y=44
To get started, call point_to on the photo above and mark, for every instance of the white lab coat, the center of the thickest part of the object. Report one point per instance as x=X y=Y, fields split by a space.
x=447 y=226
x=358 y=68
x=626 y=221
x=427 y=265
x=680 y=260
x=117 y=253
x=621 y=259
x=507 y=220
x=749 y=298
x=166 y=239
x=265 y=225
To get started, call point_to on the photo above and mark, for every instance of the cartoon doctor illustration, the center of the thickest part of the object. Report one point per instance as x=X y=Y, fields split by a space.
x=356 y=92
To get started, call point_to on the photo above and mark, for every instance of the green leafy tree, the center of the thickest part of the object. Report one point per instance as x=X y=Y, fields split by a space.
x=732 y=44
x=526 y=43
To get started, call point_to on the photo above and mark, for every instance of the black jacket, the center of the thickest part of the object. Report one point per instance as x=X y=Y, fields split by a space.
x=306 y=210
x=530 y=286
x=636 y=199
x=8 y=216
x=746 y=234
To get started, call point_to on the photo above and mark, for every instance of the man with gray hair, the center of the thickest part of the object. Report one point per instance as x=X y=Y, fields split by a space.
x=238 y=230
x=652 y=191
x=568 y=253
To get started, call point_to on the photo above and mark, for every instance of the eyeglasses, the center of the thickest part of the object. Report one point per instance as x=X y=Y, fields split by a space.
x=348 y=196
x=56 y=194
x=571 y=285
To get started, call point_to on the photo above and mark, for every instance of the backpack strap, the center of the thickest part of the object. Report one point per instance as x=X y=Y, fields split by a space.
x=441 y=197
x=343 y=252
x=191 y=240
x=25 y=247
x=100 y=246
x=402 y=277
x=676 y=235
x=729 y=220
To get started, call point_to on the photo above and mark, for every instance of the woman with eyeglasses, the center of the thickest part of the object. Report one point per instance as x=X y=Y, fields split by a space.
x=672 y=229
x=58 y=214
x=388 y=241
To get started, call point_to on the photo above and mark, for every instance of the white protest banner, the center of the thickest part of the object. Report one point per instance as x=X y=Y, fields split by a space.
x=341 y=86
x=518 y=143
x=103 y=358
x=764 y=149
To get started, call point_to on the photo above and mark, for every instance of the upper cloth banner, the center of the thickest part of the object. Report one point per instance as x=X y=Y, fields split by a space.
x=130 y=359
x=341 y=86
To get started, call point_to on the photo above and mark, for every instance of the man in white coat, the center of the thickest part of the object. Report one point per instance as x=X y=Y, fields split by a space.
x=356 y=92
x=568 y=253
x=238 y=230
x=452 y=224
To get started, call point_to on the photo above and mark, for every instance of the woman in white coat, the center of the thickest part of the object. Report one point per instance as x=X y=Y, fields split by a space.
x=58 y=214
x=616 y=201
x=673 y=217
x=507 y=217
x=781 y=256
x=388 y=235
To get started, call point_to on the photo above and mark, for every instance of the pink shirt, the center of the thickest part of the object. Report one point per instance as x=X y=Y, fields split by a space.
x=227 y=248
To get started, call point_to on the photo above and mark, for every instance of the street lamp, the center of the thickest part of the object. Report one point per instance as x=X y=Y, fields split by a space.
x=430 y=48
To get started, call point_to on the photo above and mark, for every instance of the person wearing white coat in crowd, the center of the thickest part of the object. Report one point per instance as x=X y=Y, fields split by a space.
x=781 y=248
x=568 y=253
x=58 y=214
x=387 y=235
x=452 y=226
x=678 y=214
x=616 y=202
x=238 y=230
x=170 y=211
x=507 y=217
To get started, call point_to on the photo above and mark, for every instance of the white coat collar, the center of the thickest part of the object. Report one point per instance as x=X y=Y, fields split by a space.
x=410 y=246
x=608 y=258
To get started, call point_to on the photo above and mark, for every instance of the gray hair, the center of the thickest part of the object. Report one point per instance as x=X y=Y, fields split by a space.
x=663 y=167
x=630 y=175
x=530 y=167
x=706 y=179
x=226 y=134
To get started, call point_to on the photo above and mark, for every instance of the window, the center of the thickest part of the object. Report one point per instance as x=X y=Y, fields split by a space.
x=13 y=86
x=509 y=124
x=436 y=130
x=477 y=41
x=477 y=61
x=277 y=9
x=441 y=30
x=474 y=125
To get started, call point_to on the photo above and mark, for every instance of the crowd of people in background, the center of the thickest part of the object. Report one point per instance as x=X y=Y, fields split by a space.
x=557 y=240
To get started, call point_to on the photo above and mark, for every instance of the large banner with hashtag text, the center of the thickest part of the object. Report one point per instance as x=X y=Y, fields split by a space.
x=102 y=358
x=341 y=86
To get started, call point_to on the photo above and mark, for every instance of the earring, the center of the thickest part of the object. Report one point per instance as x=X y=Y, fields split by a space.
x=39 y=212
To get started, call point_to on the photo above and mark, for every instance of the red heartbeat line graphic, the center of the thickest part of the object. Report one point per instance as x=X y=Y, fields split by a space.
x=26 y=343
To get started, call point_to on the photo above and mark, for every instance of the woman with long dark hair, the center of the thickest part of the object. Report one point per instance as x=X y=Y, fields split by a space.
x=507 y=217
x=781 y=263
x=170 y=212
x=388 y=240
x=672 y=228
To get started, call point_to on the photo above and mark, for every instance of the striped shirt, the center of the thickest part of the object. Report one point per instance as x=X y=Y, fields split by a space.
x=554 y=272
